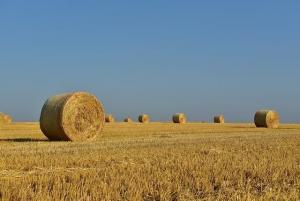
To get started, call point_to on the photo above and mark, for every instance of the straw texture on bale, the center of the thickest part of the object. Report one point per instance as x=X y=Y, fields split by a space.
x=109 y=118
x=179 y=118
x=75 y=116
x=219 y=119
x=128 y=120
x=267 y=119
x=5 y=118
x=144 y=118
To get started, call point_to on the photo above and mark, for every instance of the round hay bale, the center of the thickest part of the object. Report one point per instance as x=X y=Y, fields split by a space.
x=267 y=119
x=109 y=118
x=8 y=119
x=219 y=119
x=179 y=118
x=75 y=116
x=144 y=118
x=128 y=120
x=5 y=118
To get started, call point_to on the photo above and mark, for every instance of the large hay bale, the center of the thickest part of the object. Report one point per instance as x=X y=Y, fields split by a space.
x=144 y=118
x=179 y=118
x=72 y=117
x=219 y=119
x=267 y=119
x=5 y=118
x=128 y=120
x=109 y=118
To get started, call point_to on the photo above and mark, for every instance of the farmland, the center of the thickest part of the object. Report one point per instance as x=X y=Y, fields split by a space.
x=155 y=161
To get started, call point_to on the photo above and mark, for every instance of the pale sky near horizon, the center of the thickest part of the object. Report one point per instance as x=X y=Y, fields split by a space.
x=198 y=57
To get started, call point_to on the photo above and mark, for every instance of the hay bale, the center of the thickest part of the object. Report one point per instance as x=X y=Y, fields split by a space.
x=219 y=119
x=8 y=119
x=72 y=117
x=128 y=120
x=5 y=118
x=179 y=118
x=109 y=118
x=144 y=118
x=267 y=119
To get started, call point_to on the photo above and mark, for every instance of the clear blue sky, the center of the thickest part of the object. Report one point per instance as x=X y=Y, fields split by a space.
x=157 y=57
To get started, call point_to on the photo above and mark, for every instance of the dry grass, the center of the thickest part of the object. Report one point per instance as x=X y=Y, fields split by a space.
x=155 y=161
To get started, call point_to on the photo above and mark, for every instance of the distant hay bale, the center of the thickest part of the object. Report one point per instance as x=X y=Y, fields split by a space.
x=128 y=120
x=109 y=118
x=267 y=119
x=75 y=116
x=144 y=118
x=219 y=119
x=5 y=118
x=179 y=118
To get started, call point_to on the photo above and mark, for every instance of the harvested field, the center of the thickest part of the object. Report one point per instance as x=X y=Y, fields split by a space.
x=155 y=161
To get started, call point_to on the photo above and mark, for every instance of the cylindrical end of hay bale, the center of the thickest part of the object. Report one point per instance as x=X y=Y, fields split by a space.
x=128 y=120
x=267 y=119
x=219 y=119
x=109 y=118
x=75 y=116
x=5 y=118
x=144 y=118
x=179 y=118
